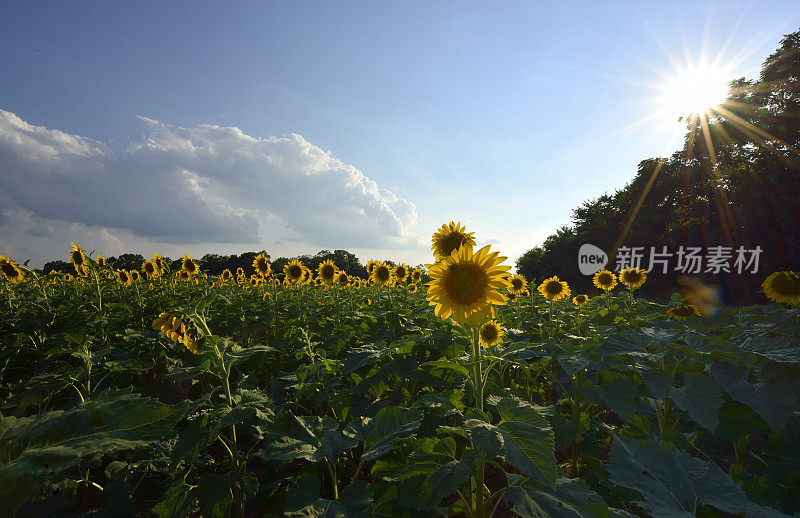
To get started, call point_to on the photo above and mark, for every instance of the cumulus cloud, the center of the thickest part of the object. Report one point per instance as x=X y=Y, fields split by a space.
x=198 y=185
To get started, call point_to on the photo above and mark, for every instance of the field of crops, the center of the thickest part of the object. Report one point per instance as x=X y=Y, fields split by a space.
x=458 y=391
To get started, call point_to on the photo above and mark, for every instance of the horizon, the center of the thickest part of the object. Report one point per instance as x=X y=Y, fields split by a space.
x=357 y=127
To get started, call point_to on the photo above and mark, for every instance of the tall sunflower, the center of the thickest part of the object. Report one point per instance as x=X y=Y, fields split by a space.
x=293 y=271
x=554 y=289
x=632 y=277
x=783 y=287
x=517 y=283
x=149 y=268
x=381 y=274
x=450 y=238
x=371 y=264
x=491 y=333
x=10 y=270
x=466 y=282
x=604 y=280
x=261 y=265
x=189 y=266
x=416 y=275
x=123 y=277
x=580 y=300
x=400 y=272
x=326 y=271
x=78 y=259
x=159 y=262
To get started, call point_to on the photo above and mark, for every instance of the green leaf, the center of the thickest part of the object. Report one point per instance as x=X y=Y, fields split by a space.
x=176 y=502
x=773 y=401
x=572 y=498
x=781 y=350
x=390 y=425
x=523 y=438
x=364 y=355
x=620 y=395
x=442 y=404
x=701 y=397
x=303 y=501
x=671 y=482
x=312 y=438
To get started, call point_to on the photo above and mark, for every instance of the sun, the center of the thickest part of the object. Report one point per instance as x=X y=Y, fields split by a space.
x=693 y=90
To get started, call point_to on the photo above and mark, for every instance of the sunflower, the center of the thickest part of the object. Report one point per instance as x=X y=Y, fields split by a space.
x=416 y=275
x=518 y=283
x=254 y=279
x=783 y=287
x=632 y=277
x=400 y=272
x=149 y=269
x=293 y=271
x=450 y=238
x=580 y=300
x=491 y=333
x=67 y=278
x=412 y=288
x=525 y=293
x=101 y=261
x=123 y=278
x=10 y=270
x=371 y=264
x=159 y=262
x=184 y=275
x=134 y=274
x=188 y=265
x=78 y=258
x=511 y=296
x=381 y=274
x=604 y=280
x=554 y=289
x=466 y=283
x=681 y=311
x=226 y=275
x=342 y=279
x=326 y=271
x=261 y=265
x=307 y=275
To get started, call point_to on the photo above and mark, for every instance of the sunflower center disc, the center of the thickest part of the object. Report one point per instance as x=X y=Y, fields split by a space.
x=465 y=283
x=554 y=287
x=683 y=311
x=489 y=333
x=453 y=241
x=786 y=285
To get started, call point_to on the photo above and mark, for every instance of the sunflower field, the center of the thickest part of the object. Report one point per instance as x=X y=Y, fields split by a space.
x=462 y=390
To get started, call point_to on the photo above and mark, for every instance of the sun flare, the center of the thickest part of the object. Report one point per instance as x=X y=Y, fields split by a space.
x=694 y=90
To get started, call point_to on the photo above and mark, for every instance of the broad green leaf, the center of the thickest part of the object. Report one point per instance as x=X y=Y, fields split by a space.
x=571 y=498
x=671 y=482
x=523 y=438
x=781 y=350
x=390 y=425
x=176 y=502
x=701 y=397
x=303 y=501
x=312 y=438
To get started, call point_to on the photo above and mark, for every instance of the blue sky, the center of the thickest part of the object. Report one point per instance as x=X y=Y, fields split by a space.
x=386 y=120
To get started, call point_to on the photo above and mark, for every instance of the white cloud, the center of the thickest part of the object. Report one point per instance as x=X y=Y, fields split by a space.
x=205 y=184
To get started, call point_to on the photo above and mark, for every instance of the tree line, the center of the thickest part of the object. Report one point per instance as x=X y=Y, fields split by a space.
x=734 y=184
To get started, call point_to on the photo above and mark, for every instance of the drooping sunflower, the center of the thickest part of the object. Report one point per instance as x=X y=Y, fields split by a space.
x=381 y=274
x=123 y=277
x=554 y=289
x=261 y=265
x=681 y=311
x=491 y=333
x=518 y=283
x=293 y=271
x=416 y=275
x=78 y=259
x=10 y=270
x=149 y=268
x=412 y=288
x=400 y=272
x=604 y=280
x=632 y=277
x=466 y=282
x=101 y=261
x=326 y=271
x=580 y=300
x=189 y=266
x=783 y=287
x=450 y=238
